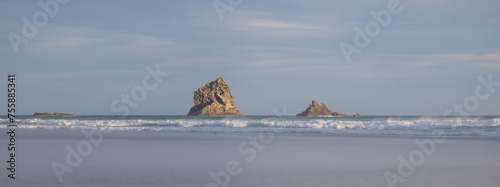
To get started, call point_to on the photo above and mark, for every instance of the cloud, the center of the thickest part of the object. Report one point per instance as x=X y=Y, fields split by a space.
x=279 y=25
x=278 y=28
x=481 y=60
x=259 y=24
x=72 y=39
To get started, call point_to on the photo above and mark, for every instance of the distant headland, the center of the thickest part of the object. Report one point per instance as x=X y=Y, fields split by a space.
x=52 y=115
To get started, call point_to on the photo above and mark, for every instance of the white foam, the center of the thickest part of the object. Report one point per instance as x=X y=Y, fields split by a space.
x=475 y=126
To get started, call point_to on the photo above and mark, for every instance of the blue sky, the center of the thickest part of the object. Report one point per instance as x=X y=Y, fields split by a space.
x=273 y=54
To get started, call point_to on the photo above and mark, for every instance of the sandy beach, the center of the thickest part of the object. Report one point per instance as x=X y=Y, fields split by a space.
x=142 y=158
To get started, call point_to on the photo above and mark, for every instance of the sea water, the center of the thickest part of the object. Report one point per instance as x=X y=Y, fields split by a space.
x=471 y=126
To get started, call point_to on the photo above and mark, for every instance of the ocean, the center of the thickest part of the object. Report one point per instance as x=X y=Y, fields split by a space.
x=472 y=126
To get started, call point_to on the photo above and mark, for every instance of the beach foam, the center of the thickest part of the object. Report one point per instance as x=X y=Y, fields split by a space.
x=370 y=125
x=146 y=158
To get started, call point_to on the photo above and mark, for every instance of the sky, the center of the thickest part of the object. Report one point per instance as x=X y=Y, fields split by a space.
x=275 y=55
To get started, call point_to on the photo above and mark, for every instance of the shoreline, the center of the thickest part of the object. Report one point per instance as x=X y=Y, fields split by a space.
x=136 y=133
x=148 y=158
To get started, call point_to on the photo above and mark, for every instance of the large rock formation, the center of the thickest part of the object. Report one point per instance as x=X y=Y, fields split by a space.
x=316 y=110
x=214 y=99
x=52 y=115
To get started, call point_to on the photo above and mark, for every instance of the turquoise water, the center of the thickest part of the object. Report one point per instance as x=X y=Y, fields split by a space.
x=483 y=126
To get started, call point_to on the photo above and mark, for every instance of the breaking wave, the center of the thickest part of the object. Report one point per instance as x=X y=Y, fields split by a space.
x=487 y=126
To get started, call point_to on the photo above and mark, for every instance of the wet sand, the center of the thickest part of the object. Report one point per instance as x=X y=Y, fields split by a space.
x=57 y=157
